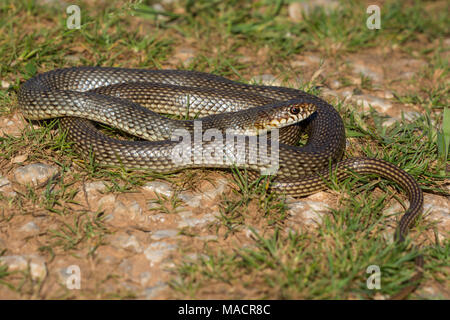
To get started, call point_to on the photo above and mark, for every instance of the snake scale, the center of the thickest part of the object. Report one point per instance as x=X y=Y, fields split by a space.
x=121 y=98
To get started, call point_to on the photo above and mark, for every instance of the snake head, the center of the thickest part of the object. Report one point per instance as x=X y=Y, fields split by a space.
x=283 y=114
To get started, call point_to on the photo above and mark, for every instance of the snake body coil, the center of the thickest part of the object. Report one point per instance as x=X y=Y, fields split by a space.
x=117 y=96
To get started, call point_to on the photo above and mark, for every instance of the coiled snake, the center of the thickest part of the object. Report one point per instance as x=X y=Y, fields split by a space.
x=120 y=97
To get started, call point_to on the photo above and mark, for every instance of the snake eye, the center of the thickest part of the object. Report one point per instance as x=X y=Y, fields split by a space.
x=294 y=110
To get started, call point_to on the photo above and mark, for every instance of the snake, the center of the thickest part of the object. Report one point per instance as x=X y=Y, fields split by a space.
x=137 y=100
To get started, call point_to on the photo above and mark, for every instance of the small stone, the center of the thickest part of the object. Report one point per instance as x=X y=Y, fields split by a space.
x=6 y=187
x=335 y=84
x=346 y=94
x=162 y=234
x=73 y=58
x=38 y=269
x=106 y=201
x=157 y=218
x=411 y=115
x=144 y=278
x=367 y=72
x=96 y=186
x=311 y=212
x=408 y=75
x=135 y=210
x=216 y=191
x=64 y=274
x=296 y=10
x=5 y=84
x=389 y=122
x=126 y=266
x=438 y=209
x=368 y=100
x=36 y=265
x=125 y=241
x=388 y=94
x=30 y=228
x=195 y=199
x=152 y=292
x=160 y=187
x=4 y=182
x=119 y=209
x=35 y=174
x=193 y=222
x=191 y=199
x=157 y=251
x=19 y=159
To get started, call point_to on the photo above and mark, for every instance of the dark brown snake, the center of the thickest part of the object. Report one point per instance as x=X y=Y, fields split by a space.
x=121 y=98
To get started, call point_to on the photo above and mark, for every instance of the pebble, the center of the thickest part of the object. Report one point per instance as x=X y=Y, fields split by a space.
x=368 y=100
x=389 y=122
x=135 y=210
x=159 y=187
x=131 y=212
x=34 y=263
x=35 y=174
x=194 y=222
x=126 y=266
x=411 y=115
x=439 y=211
x=297 y=9
x=119 y=210
x=96 y=186
x=5 y=84
x=195 y=199
x=157 y=251
x=30 y=228
x=430 y=293
x=191 y=199
x=106 y=201
x=310 y=211
x=162 y=234
x=367 y=72
x=73 y=58
x=157 y=217
x=19 y=159
x=346 y=94
x=6 y=187
x=152 y=292
x=125 y=241
x=144 y=278
x=335 y=84
x=408 y=75
x=220 y=186
x=388 y=94
x=64 y=275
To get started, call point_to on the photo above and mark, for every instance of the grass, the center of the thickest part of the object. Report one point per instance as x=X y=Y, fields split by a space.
x=240 y=39
x=331 y=262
